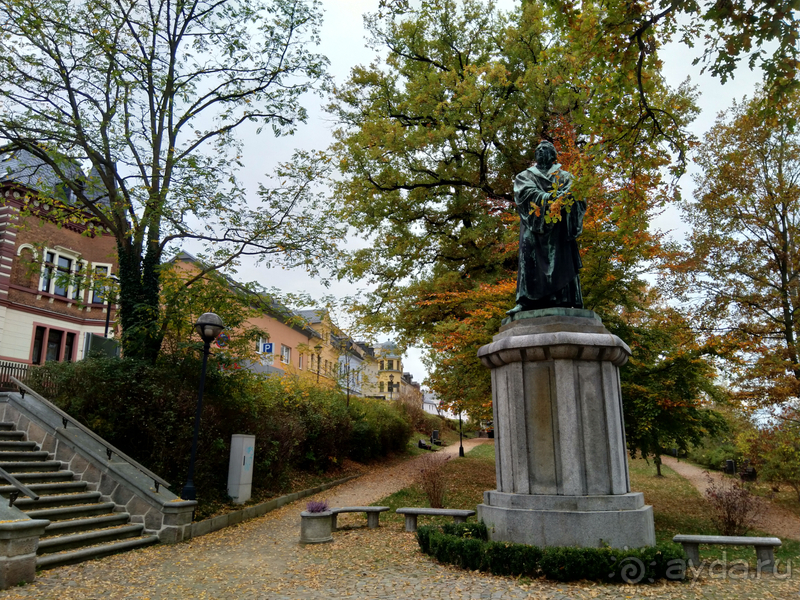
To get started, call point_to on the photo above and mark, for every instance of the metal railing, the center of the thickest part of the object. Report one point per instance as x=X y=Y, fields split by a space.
x=110 y=450
x=20 y=488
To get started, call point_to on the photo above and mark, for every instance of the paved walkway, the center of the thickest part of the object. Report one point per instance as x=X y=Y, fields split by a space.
x=262 y=560
x=774 y=519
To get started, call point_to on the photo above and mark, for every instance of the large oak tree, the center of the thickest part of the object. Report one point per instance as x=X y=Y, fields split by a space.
x=429 y=143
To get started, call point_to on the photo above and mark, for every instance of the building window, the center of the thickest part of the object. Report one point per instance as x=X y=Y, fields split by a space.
x=286 y=355
x=391 y=365
x=47 y=271
x=77 y=281
x=300 y=362
x=99 y=290
x=380 y=387
x=52 y=345
x=62 y=275
x=63 y=272
x=381 y=365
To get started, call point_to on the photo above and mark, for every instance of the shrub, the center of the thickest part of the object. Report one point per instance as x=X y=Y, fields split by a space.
x=467 y=546
x=148 y=410
x=378 y=428
x=432 y=478
x=734 y=509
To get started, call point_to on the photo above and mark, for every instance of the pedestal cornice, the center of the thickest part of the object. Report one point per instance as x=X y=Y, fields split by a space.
x=554 y=345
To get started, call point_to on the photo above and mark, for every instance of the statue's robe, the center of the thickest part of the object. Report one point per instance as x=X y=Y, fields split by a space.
x=549 y=260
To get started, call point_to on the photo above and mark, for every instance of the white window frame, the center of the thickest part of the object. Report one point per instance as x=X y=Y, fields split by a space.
x=300 y=362
x=286 y=355
x=75 y=260
x=92 y=272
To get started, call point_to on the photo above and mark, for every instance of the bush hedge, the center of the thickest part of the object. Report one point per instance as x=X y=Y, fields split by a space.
x=148 y=412
x=467 y=545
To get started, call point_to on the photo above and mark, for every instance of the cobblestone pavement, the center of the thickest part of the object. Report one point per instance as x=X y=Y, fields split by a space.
x=261 y=559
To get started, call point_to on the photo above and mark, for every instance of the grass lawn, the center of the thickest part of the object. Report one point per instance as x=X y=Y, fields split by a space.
x=467 y=479
x=677 y=506
x=785 y=497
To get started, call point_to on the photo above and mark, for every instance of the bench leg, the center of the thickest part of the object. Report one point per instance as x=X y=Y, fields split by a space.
x=692 y=553
x=333 y=522
x=411 y=523
x=372 y=519
x=458 y=519
x=766 y=559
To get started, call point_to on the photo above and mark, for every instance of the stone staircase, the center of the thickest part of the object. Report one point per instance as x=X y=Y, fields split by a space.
x=82 y=526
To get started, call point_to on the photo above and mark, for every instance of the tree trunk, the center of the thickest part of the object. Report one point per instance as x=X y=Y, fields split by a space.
x=139 y=302
x=657 y=461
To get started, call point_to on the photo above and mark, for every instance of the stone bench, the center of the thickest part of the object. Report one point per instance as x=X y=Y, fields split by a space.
x=764 y=547
x=411 y=514
x=373 y=514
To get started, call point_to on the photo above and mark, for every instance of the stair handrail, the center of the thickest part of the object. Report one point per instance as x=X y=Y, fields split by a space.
x=65 y=418
x=21 y=488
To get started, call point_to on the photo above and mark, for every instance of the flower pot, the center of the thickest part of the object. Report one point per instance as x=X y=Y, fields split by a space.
x=315 y=527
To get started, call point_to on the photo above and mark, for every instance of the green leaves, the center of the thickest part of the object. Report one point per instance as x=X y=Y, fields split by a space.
x=741 y=264
x=148 y=96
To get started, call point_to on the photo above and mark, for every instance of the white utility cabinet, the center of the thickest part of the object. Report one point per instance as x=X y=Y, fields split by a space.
x=240 y=468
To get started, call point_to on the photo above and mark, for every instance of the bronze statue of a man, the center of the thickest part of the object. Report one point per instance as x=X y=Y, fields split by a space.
x=549 y=260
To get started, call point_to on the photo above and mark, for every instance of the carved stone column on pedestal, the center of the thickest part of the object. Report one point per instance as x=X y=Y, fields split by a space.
x=562 y=475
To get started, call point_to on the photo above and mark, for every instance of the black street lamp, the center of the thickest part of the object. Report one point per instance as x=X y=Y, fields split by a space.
x=209 y=326
x=391 y=386
x=318 y=348
x=460 y=436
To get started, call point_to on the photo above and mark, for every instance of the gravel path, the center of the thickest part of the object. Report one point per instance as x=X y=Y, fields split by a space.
x=261 y=559
x=774 y=519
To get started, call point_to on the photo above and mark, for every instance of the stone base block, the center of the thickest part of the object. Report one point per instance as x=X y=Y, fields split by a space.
x=583 y=521
x=15 y=570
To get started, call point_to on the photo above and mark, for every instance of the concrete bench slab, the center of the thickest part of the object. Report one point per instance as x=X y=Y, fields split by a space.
x=764 y=547
x=411 y=514
x=373 y=514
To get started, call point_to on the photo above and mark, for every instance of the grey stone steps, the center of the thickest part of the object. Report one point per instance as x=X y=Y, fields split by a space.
x=4 y=426
x=44 y=477
x=24 y=455
x=22 y=445
x=72 y=541
x=71 y=512
x=82 y=528
x=75 y=556
x=86 y=524
x=50 y=488
x=31 y=466
x=57 y=500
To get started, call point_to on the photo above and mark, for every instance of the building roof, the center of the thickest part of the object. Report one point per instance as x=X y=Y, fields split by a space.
x=313 y=316
x=269 y=305
x=25 y=169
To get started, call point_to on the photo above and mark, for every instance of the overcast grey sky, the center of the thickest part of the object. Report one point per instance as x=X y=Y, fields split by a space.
x=343 y=42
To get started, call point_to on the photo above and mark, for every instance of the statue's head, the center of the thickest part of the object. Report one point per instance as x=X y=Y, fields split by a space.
x=546 y=154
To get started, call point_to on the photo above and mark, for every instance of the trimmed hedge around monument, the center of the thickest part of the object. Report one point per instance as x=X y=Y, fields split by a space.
x=466 y=545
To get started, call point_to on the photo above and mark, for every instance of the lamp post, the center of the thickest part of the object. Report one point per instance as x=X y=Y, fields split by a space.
x=115 y=279
x=208 y=326
x=347 y=349
x=391 y=386
x=318 y=348
x=460 y=436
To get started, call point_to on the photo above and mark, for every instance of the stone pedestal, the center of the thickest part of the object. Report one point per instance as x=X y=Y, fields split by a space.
x=562 y=474
x=19 y=539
